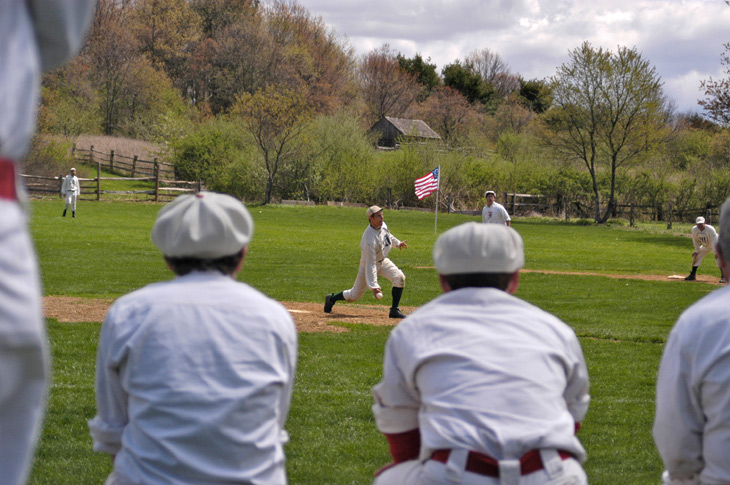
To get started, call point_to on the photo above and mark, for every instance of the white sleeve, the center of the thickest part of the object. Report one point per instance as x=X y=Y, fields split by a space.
x=78 y=187
x=60 y=27
x=63 y=186
x=576 y=392
x=396 y=400
x=368 y=259
x=678 y=423
x=111 y=400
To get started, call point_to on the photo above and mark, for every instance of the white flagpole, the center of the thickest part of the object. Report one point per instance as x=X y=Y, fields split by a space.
x=436 y=212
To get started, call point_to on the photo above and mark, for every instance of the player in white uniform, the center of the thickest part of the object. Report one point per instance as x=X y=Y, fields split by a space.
x=692 y=422
x=494 y=212
x=70 y=189
x=375 y=245
x=35 y=36
x=480 y=387
x=194 y=375
x=704 y=238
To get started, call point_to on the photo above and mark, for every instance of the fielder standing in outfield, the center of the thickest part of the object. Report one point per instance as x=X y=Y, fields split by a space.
x=692 y=422
x=375 y=245
x=70 y=189
x=494 y=212
x=35 y=36
x=480 y=387
x=704 y=238
x=194 y=375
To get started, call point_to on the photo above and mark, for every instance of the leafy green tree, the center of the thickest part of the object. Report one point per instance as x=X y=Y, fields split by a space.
x=610 y=111
x=469 y=83
x=424 y=71
x=69 y=105
x=277 y=120
x=536 y=95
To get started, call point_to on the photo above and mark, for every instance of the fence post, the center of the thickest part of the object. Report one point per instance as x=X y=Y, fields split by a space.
x=708 y=214
x=671 y=213
x=134 y=165
x=566 y=208
x=111 y=161
x=98 y=180
x=631 y=215
x=157 y=183
x=91 y=154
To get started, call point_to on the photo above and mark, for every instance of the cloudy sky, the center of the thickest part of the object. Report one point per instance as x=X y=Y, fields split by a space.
x=683 y=39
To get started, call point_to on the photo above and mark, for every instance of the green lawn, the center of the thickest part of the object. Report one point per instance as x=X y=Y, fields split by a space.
x=302 y=253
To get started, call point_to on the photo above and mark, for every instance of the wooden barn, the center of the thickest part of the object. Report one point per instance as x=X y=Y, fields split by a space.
x=392 y=129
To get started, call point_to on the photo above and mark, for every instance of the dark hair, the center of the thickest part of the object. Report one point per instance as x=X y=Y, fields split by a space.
x=479 y=280
x=226 y=264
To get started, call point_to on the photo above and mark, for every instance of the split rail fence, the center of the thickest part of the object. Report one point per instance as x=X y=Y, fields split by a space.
x=138 y=170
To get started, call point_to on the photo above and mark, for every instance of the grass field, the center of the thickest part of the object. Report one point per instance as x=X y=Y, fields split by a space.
x=302 y=253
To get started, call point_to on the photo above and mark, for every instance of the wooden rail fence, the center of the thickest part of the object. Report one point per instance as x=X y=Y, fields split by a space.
x=124 y=165
x=92 y=188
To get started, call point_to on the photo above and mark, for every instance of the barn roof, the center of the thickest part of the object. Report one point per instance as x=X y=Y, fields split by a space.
x=413 y=128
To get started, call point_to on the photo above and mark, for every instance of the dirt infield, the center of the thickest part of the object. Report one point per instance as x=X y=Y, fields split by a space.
x=309 y=317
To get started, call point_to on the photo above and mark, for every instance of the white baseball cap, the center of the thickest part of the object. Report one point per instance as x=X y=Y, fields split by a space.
x=700 y=220
x=374 y=209
x=206 y=225
x=489 y=192
x=479 y=248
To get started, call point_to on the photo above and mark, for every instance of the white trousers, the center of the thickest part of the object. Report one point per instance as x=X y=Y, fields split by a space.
x=701 y=253
x=70 y=201
x=431 y=472
x=24 y=357
x=385 y=268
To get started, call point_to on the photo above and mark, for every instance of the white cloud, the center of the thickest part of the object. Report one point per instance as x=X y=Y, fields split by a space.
x=683 y=39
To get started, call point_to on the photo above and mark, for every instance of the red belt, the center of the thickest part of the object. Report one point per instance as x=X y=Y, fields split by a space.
x=7 y=180
x=482 y=464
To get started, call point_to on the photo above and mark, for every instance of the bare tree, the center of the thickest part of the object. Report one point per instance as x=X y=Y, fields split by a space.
x=493 y=69
x=387 y=89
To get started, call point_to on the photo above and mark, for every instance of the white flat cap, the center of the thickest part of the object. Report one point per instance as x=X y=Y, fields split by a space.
x=373 y=209
x=479 y=248
x=700 y=220
x=206 y=225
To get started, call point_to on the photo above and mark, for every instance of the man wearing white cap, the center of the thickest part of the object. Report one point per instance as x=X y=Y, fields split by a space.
x=375 y=245
x=70 y=189
x=494 y=212
x=704 y=238
x=480 y=387
x=194 y=375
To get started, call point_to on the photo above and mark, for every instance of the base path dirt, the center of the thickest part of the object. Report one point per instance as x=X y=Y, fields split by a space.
x=309 y=317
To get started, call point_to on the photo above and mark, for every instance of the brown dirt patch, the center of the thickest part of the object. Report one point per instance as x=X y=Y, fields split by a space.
x=308 y=317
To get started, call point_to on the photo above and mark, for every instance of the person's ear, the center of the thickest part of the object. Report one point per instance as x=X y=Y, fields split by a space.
x=514 y=282
x=445 y=287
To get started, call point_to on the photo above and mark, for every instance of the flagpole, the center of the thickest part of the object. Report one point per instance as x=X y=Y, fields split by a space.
x=436 y=212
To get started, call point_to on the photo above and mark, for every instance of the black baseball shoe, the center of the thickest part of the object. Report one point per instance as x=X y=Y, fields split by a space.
x=690 y=278
x=396 y=313
x=328 y=303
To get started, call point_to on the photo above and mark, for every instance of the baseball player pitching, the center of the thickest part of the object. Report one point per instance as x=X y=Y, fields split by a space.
x=375 y=245
x=704 y=238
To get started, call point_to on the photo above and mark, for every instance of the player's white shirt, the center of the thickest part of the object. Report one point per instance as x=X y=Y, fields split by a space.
x=375 y=246
x=35 y=35
x=193 y=385
x=692 y=422
x=705 y=238
x=71 y=184
x=482 y=370
x=495 y=214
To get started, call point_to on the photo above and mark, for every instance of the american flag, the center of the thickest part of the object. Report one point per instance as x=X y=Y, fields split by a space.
x=428 y=184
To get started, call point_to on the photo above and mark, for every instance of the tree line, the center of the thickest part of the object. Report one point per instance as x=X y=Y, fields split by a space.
x=262 y=100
